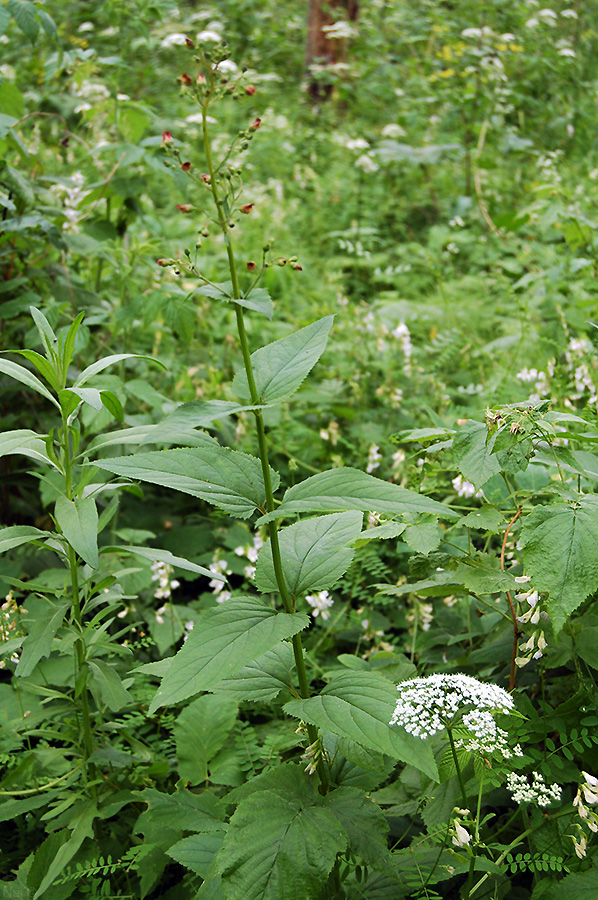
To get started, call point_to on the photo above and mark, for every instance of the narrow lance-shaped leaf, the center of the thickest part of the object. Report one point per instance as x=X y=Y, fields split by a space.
x=348 y=488
x=16 y=535
x=280 y=367
x=165 y=556
x=20 y=373
x=316 y=552
x=227 y=478
x=102 y=364
x=38 y=643
x=78 y=521
x=224 y=640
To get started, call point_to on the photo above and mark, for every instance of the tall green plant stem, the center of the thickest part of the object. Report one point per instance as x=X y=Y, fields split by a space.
x=262 y=442
x=80 y=650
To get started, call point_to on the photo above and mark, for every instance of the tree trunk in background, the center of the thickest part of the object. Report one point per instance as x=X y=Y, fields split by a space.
x=320 y=48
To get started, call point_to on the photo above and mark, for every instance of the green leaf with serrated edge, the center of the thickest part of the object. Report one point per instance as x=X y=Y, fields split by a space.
x=560 y=552
x=381 y=532
x=200 y=732
x=102 y=364
x=263 y=679
x=365 y=824
x=224 y=640
x=197 y=852
x=280 y=368
x=316 y=552
x=78 y=521
x=16 y=535
x=81 y=825
x=24 y=15
x=106 y=680
x=279 y=847
x=346 y=488
x=258 y=299
x=165 y=556
x=20 y=373
x=38 y=642
x=4 y=19
x=195 y=414
x=482 y=574
x=145 y=434
x=472 y=453
x=370 y=760
x=487 y=518
x=586 y=645
x=423 y=537
x=181 y=811
x=359 y=706
x=231 y=480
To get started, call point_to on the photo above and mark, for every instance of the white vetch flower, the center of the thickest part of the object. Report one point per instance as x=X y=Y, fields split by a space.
x=374 y=457
x=465 y=488
x=320 y=604
x=462 y=837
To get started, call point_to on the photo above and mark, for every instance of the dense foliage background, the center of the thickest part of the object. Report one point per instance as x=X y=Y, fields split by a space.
x=434 y=188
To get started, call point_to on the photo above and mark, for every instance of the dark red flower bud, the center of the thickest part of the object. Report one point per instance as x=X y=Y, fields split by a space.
x=184 y=207
x=162 y=262
x=250 y=89
x=185 y=166
x=255 y=125
x=251 y=265
x=186 y=79
x=167 y=138
x=189 y=43
x=205 y=178
x=201 y=79
x=247 y=209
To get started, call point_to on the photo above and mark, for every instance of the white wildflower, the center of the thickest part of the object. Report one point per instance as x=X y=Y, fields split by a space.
x=227 y=66
x=392 y=130
x=174 y=40
x=569 y=14
x=374 y=457
x=366 y=164
x=219 y=567
x=567 y=51
x=208 y=36
x=161 y=572
x=320 y=603
x=339 y=30
x=465 y=488
x=537 y=792
x=462 y=837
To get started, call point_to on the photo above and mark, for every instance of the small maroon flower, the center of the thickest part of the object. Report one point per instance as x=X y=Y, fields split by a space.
x=247 y=209
x=189 y=43
x=186 y=79
x=255 y=125
x=184 y=207
x=251 y=266
x=205 y=178
x=201 y=79
x=250 y=90
x=167 y=138
x=162 y=262
x=186 y=166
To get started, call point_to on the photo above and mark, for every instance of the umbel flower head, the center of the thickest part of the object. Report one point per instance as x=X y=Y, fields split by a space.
x=428 y=705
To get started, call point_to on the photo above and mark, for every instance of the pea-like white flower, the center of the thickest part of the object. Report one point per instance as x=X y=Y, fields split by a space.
x=320 y=604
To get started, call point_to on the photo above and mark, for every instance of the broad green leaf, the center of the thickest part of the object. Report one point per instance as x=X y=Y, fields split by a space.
x=181 y=811
x=365 y=823
x=487 y=518
x=560 y=552
x=359 y=706
x=20 y=373
x=279 y=848
x=227 y=478
x=110 y=688
x=482 y=574
x=200 y=731
x=78 y=521
x=195 y=414
x=472 y=453
x=4 y=19
x=381 y=532
x=91 y=396
x=281 y=367
x=16 y=535
x=147 y=434
x=165 y=556
x=586 y=645
x=25 y=17
x=316 y=552
x=102 y=364
x=197 y=852
x=224 y=640
x=263 y=679
x=38 y=642
x=81 y=825
x=346 y=488
x=423 y=537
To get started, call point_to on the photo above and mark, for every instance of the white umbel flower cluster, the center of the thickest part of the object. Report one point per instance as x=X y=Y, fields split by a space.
x=485 y=736
x=427 y=705
x=537 y=792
